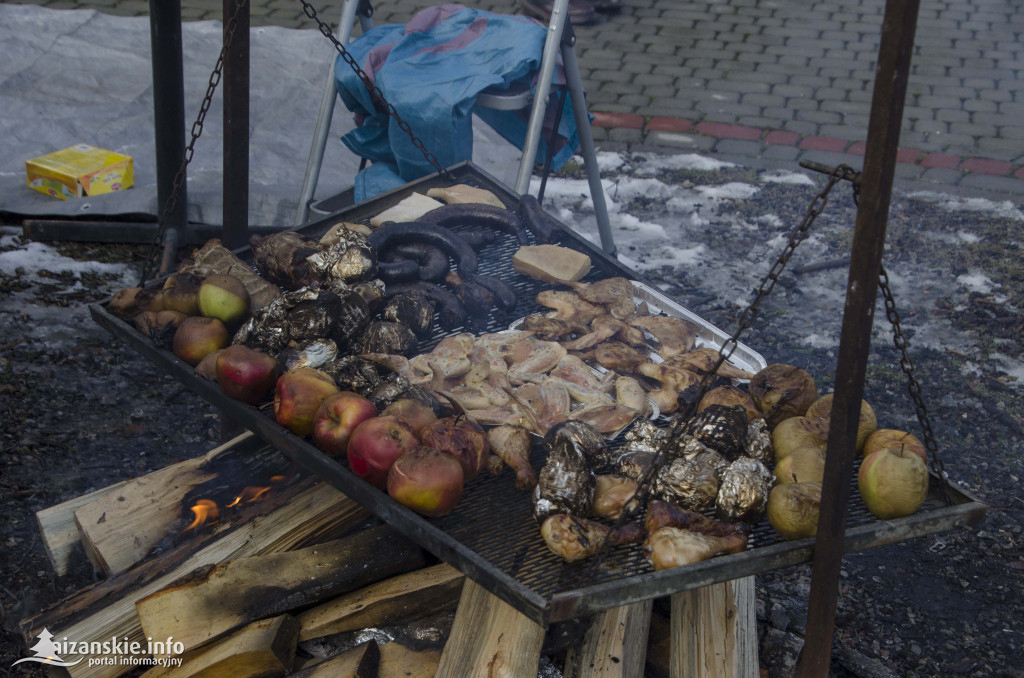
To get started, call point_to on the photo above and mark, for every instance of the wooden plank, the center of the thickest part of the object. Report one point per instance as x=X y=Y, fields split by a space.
x=263 y=649
x=490 y=638
x=239 y=591
x=362 y=661
x=393 y=601
x=107 y=608
x=614 y=646
x=120 y=528
x=59 y=531
x=714 y=631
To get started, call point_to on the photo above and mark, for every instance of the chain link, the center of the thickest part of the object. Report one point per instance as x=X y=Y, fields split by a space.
x=375 y=92
x=901 y=341
x=197 y=130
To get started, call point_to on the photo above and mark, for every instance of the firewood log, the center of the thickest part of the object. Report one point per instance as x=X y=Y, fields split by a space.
x=362 y=661
x=614 y=646
x=392 y=601
x=263 y=649
x=234 y=593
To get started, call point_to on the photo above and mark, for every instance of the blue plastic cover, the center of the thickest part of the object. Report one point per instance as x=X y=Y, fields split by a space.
x=431 y=70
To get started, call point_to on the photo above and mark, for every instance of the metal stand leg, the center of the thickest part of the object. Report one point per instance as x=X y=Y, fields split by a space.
x=349 y=12
x=579 y=105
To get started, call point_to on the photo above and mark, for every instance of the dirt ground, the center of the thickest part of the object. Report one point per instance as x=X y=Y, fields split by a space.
x=79 y=411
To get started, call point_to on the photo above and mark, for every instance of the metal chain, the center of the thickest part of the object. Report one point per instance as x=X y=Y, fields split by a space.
x=746 y=320
x=900 y=340
x=197 y=129
x=375 y=92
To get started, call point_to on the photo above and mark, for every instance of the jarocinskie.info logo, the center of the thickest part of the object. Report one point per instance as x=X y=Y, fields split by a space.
x=113 y=652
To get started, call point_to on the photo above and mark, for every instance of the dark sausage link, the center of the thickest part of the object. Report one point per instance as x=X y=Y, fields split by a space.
x=391 y=233
x=451 y=312
x=535 y=219
x=478 y=214
x=504 y=295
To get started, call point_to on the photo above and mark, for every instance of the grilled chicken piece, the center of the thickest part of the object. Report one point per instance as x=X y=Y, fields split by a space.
x=605 y=418
x=703 y=360
x=619 y=357
x=574 y=538
x=569 y=306
x=547 y=401
x=450 y=358
x=674 y=335
x=500 y=416
x=613 y=494
x=573 y=370
x=601 y=328
x=551 y=328
x=401 y=365
x=678 y=537
x=631 y=395
x=512 y=445
x=673 y=380
x=530 y=358
x=615 y=293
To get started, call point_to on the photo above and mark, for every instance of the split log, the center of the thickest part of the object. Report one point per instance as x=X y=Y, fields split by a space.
x=362 y=661
x=714 y=631
x=614 y=646
x=300 y=515
x=490 y=638
x=394 y=601
x=399 y=661
x=59 y=531
x=263 y=649
x=120 y=528
x=237 y=592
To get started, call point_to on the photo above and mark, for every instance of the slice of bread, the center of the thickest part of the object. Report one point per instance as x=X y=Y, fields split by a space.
x=551 y=263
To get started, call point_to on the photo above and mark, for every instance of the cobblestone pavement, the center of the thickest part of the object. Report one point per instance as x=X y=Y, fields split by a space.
x=774 y=81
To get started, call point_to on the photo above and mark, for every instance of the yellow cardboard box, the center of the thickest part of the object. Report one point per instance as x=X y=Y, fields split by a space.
x=79 y=170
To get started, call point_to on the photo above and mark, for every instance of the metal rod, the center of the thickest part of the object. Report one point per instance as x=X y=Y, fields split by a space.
x=236 y=128
x=328 y=98
x=556 y=26
x=891 y=75
x=168 y=115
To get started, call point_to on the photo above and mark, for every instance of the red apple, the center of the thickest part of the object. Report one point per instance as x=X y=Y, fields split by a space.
x=374 y=446
x=893 y=482
x=196 y=336
x=426 y=480
x=460 y=437
x=246 y=374
x=298 y=396
x=415 y=413
x=337 y=418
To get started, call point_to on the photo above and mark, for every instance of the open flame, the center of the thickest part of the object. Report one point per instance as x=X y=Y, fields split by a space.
x=205 y=512
x=255 y=493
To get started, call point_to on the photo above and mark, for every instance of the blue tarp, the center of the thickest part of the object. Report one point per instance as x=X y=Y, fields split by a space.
x=431 y=70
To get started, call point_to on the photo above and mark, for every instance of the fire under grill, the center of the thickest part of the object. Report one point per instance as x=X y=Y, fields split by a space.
x=492 y=536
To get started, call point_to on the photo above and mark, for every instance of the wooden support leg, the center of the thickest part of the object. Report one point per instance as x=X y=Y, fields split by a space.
x=490 y=638
x=714 y=631
x=615 y=645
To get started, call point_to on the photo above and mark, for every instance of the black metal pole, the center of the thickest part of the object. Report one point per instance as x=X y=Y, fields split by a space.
x=891 y=74
x=168 y=120
x=236 y=126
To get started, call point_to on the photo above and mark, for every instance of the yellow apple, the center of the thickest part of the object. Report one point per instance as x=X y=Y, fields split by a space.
x=866 y=425
x=890 y=437
x=893 y=482
x=793 y=509
x=799 y=432
x=804 y=464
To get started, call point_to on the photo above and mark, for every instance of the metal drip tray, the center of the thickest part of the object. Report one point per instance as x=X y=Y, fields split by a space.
x=492 y=536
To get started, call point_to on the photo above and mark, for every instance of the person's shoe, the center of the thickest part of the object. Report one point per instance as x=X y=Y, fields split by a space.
x=581 y=12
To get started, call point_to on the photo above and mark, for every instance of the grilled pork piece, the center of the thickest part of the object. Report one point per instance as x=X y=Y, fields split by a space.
x=619 y=357
x=677 y=537
x=551 y=328
x=512 y=445
x=674 y=335
x=575 y=538
x=673 y=380
x=601 y=328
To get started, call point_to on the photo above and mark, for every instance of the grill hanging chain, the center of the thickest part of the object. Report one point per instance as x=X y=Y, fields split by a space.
x=375 y=92
x=746 y=320
x=197 y=129
x=902 y=342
